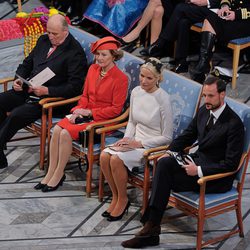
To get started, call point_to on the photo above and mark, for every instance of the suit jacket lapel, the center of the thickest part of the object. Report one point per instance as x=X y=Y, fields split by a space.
x=216 y=126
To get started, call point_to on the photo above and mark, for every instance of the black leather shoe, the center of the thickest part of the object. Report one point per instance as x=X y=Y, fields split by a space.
x=47 y=188
x=157 y=48
x=181 y=68
x=119 y=217
x=105 y=214
x=39 y=186
x=140 y=241
x=3 y=160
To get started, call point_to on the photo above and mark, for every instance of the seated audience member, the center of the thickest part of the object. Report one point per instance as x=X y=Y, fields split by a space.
x=220 y=135
x=118 y=17
x=150 y=125
x=230 y=22
x=178 y=29
x=156 y=12
x=153 y=13
x=103 y=97
x=56 y=50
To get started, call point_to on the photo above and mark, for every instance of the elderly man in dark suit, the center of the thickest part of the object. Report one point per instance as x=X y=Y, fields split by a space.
x=178 y=29
x=220 y=134
x=61 y=53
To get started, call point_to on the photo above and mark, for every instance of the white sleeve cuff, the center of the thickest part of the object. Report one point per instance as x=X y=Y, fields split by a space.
x=208 y=4
x=200 y=174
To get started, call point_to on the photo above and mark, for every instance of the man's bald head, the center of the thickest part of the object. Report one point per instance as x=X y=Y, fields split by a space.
x=57 y=29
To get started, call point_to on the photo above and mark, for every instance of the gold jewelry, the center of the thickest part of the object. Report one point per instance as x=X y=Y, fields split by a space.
x=103 y=73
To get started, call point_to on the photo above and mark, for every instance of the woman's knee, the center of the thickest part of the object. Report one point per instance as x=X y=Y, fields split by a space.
x=115 y=162
x=104 y=159
x=154 y=3
x=158 y=12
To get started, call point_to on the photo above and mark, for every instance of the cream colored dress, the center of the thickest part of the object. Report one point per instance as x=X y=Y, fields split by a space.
x=150 y=121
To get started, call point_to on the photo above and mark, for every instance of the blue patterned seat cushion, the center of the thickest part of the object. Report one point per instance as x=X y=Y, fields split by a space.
x=211 y=200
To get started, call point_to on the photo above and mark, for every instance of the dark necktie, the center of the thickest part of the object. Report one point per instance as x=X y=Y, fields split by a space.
x=210 y=123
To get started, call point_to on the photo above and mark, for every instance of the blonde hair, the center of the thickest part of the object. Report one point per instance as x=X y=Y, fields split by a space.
x=155 y=66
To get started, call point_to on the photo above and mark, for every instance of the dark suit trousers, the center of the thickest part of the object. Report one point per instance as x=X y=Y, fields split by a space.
x=21 y=114
x=178 y=27
x=169 y=175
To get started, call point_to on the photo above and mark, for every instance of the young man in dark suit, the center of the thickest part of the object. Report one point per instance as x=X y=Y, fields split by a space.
x=61 y=53
x=220 y=134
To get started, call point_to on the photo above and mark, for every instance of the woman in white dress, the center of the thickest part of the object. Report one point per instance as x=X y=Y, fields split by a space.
x=150 y=125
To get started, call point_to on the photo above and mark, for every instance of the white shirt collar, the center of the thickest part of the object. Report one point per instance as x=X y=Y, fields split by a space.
x=218 y=112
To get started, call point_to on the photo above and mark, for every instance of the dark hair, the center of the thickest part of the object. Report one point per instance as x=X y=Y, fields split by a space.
x=221 y=85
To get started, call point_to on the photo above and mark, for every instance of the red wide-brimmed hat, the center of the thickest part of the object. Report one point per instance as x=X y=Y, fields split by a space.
x=105 y=43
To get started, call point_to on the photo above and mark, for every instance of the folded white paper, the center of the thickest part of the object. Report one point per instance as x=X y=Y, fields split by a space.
x=42 y=77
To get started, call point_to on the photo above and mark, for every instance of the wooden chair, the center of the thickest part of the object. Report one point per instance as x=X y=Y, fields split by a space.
x=185 y=97
x=201 y=205
x=236 y=45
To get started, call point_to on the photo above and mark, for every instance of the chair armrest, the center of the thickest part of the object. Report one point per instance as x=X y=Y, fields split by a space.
x=155 y=151
x=50 y=99
x=6 y=80
x=111 y=128
x=61 y=102
x=204 y=179
x=118 y=119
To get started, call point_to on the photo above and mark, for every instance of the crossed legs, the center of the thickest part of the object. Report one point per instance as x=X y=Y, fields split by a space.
x=154 y=13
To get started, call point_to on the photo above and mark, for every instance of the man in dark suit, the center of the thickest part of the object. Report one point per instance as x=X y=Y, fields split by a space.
x=220 y=134
x=178 y=29
x=61 y=53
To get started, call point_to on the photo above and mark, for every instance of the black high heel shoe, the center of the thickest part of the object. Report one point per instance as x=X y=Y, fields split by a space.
x=105 y=214
x=119 y=217
x=50 y=189
x=39 y=186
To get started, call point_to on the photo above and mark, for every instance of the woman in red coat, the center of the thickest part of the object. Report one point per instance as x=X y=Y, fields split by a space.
x=104 y=95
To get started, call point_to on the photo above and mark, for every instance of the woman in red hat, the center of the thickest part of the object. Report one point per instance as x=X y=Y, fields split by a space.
x=103 y=97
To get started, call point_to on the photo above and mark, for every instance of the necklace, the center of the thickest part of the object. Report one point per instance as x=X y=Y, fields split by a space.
x=103 y=73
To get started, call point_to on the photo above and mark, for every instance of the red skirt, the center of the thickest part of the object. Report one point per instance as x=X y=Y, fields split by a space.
x=72 y=128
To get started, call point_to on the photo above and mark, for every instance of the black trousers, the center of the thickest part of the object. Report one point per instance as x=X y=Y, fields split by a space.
x=178 y=27
x=169 y=175
x=21 y=114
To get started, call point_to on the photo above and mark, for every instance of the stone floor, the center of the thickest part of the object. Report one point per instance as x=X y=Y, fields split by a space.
x=66 y=218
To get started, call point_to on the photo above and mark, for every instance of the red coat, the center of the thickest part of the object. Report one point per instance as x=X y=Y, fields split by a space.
x=104 y=97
